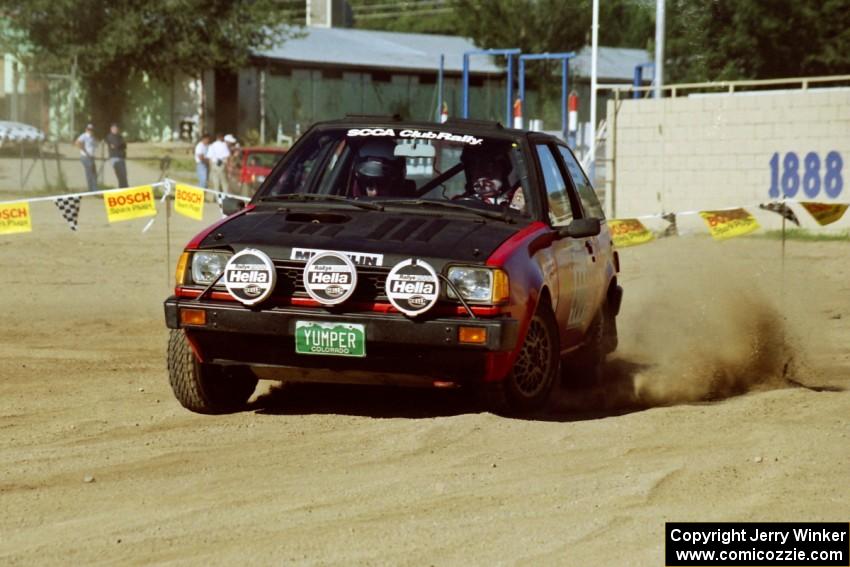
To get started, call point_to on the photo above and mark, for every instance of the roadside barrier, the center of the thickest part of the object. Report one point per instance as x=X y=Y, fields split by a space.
x=723 y=223
x=119 y=205
x=140 y=202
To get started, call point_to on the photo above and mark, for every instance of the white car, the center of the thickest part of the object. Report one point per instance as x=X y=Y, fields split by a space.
x=15 y=133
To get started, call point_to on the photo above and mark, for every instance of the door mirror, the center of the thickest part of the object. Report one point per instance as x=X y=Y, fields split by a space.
x=581 y=228
x=231 y=205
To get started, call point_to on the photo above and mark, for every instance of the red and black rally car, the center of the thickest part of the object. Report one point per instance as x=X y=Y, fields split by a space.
x=386 y=252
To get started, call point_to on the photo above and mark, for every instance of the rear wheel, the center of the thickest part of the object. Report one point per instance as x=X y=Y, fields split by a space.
x=206 y=388
x=529 y=384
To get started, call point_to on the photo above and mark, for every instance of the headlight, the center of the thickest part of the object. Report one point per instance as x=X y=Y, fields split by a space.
x=480 y=285
x=207 y=266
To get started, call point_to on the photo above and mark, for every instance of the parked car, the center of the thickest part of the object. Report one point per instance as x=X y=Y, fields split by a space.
x=255 y=165
x=17 y=134
x=378 y=251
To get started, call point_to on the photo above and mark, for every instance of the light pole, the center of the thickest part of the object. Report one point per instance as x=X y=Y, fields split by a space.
x=659 y=48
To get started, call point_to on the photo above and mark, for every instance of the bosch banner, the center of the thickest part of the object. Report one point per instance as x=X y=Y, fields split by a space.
x=15 y=217
x=189 y=201
x=129 y=204
x=728 y=224
x=629 y=232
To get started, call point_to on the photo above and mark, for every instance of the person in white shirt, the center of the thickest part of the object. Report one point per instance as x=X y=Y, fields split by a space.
x=88 y=146
x=201 y=163
x=218 y=155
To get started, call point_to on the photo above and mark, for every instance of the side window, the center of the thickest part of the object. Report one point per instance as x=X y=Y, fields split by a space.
x=297 y=176
x=585 y=191
x=560 y=210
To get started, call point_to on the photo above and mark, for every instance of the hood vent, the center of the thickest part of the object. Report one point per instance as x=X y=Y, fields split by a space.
x=432 y=230
x=406 y=229
x=382 y=229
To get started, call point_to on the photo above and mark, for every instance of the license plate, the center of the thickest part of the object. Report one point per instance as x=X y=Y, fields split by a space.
x=334 y=339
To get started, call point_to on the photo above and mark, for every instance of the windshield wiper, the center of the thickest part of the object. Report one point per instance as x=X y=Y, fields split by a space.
x=307 y=197
x=502 y=216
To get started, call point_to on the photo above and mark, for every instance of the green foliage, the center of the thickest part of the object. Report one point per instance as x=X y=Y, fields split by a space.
x=413 y=16
x=110 y=41
x=753 y=39
x=534 y=26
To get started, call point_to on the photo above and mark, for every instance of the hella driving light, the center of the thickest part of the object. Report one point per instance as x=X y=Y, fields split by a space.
x=207 y=266
x=483 y=285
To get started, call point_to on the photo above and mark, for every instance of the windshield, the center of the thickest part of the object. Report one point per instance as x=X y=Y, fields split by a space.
x=406 y=168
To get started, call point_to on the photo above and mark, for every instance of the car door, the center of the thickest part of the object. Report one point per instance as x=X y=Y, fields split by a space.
x=600 y=247
x=574 y=263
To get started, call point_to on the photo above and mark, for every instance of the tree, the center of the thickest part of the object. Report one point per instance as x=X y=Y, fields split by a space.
x=537 y=26
x=112 y=39
x=414 y=16
x=752 y=39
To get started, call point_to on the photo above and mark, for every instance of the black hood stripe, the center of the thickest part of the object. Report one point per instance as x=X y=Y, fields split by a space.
x=432 y=230
x=406 y=229
x=382 y=229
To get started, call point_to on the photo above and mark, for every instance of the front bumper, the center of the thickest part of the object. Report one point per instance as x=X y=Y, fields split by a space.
x=395 y=344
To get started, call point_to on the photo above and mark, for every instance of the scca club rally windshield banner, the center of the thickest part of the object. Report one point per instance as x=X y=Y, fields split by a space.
x=15 y=217
x=130 y=204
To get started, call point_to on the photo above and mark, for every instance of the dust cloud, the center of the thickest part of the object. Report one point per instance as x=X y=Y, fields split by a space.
x=711 y=327
x=735 y=342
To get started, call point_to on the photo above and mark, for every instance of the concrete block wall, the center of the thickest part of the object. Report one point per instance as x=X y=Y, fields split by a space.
x=716 y=150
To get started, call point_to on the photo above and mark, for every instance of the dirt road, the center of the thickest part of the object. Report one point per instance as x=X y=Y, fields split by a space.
x=318 y=475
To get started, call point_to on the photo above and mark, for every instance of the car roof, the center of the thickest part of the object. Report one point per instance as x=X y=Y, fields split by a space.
x=462 y=125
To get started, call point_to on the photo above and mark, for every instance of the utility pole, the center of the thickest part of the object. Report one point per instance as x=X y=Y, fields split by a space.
x=594 y=56
x=13 y=111
x=263 y=105
x=73 y=96
x=659 y=49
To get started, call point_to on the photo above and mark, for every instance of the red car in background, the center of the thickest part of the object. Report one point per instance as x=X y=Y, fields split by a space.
x=255 y=164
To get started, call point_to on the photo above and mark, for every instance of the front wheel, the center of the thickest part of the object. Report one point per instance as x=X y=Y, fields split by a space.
x=529 y=384
x=206 y=388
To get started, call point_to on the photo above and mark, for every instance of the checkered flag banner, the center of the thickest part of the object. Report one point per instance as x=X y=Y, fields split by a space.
x=70 y=209
x=782 y=209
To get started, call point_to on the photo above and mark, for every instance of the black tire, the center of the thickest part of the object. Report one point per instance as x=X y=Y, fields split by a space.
x=584 y=367
x=206 y=388
x=528 y=386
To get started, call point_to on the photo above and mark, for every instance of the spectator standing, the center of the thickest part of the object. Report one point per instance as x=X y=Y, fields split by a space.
x=233 y=164
x=117 y=154
x=218 y=156
x=88 y=145
x=201 y=162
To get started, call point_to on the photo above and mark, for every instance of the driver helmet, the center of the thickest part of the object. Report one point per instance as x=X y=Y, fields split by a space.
x=378 y=171
x=486 y=172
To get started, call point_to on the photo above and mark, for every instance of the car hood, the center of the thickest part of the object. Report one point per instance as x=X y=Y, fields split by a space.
x=286 y=233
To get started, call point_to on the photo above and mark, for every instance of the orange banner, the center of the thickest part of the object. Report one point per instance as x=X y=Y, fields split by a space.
x=823 y=212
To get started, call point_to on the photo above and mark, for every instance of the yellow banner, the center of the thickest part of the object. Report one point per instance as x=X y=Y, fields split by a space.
x=729 y=224
x=129 y=203
x=629 y=232
x=15 y=217
x=824 y=213
x=189 y=201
